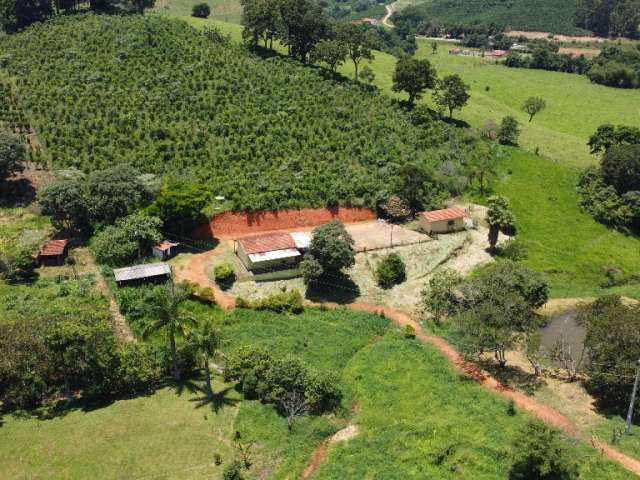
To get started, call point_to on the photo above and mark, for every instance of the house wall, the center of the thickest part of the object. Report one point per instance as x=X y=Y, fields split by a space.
x=442 y=226
x=267 y=264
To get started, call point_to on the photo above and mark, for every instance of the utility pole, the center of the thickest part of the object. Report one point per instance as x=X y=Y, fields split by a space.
x=627 y=425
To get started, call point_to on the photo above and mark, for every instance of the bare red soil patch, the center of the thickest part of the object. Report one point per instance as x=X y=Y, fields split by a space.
x=236 y=224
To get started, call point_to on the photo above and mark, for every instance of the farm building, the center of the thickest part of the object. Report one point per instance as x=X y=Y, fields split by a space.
x=51 y=252
x=150 y=272
x=165 y=249
x=443 y=221
x=272 y=250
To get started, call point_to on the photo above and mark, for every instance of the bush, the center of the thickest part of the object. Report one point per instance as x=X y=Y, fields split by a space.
x=233 y=471
x=513 y=250
x=539 y=453
x=289 y=301
x=409 y=332
x=391 y=271
x=248 y=366
x=440 y=297
x=509 y=131
x=201 y=10
x=224 y=274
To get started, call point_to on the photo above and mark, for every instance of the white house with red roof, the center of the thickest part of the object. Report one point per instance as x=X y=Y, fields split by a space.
x=272 y=250
x=443 y=221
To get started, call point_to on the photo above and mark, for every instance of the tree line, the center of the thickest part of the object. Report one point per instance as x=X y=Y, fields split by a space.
x=609 y=18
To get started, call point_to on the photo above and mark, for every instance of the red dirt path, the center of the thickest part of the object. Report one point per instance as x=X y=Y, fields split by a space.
x=234 y=224
x=194 y=270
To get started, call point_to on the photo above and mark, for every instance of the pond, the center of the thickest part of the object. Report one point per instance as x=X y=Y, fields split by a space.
x=564 y=326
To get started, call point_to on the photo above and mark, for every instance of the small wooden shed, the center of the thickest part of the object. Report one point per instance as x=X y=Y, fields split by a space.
x=51 y=253
x=165 y=249
x=443 y=221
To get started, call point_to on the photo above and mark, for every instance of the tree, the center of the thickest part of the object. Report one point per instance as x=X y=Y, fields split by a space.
x=452 y=93
x=303 y=24
x=66 y=203
x=180 y=204
x=440 y=297
x=114 y=193
x=358 y=42
x=509 y=131
x=621 y=167
x=140 y=5
x=12 y=155
x=413 y=183
x=391 y=271
x=206 y=339
x=608 y=135
x=533 y=105
x=539 y=453
x=332 y=248
x=260 y=19
x=201 y=10
x=434 y=48
x=18 y=14
x=499 y=218
x=414 y=77
x=367 y=74
x=164 y=309
x=482 y=164
x=333 y=53
x=287 y=380
x=131 y=238
x=612 y=344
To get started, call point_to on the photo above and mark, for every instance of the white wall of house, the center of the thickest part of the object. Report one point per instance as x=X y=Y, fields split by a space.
x=442 y=226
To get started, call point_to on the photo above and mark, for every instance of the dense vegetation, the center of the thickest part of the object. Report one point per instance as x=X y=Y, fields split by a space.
x=164 y=98
x=616 y=18
x=451 y=15
x=614 y=66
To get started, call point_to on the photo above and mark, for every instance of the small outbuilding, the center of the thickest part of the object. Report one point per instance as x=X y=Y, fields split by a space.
x=165 y=250
x=149 y=272
x=272 y=250
x=443 y=221
x=51 y=253
x=500 y=53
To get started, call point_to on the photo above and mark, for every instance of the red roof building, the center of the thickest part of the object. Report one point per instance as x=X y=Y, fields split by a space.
x=51 y=252
x=443 y=221
x=269 y=242
x=500 y=53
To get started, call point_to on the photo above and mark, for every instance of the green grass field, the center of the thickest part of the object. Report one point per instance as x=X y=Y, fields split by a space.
x=563 y=242
x=419 y=419
x=223 y=10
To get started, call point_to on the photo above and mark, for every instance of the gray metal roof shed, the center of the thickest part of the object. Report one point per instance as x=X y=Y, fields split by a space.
x=140 y=272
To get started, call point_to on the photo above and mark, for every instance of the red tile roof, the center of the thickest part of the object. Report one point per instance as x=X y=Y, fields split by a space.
x=267 y=243
x=53 y=247
x=445 y=214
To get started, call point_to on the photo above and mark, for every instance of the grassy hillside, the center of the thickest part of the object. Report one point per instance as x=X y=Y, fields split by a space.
x=564 y=243
x=537 y=15
x=265 y=133
x=224 y=10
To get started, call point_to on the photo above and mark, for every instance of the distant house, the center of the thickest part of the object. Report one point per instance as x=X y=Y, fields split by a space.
x=150 y=272
x=165 y=250
x=272 y=250
x=443 y=221
x=51 y=252
x=455 y=51
x=500 y=53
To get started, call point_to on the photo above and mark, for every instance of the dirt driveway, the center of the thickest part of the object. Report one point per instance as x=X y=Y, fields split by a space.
x=374 y=236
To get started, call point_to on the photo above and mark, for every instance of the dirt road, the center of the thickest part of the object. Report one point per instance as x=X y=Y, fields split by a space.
x=385 y=20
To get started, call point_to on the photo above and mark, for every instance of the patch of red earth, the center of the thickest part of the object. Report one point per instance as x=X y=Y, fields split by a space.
x=236 y=224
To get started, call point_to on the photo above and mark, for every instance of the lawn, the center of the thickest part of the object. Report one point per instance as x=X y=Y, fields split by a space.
x=420 y=419
x=173 y=433
x=224 y=10
x=563 y=242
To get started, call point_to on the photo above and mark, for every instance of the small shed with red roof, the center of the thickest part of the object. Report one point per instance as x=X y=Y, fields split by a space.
x=443 y=221
x=51 y=252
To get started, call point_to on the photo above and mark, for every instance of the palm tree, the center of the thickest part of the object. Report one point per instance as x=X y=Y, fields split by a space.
x=164 y=308
x=206 y=339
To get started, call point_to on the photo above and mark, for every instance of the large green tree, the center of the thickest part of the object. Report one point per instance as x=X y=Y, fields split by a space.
x=114 y=193
x=499 y=217
x=359 y=41
x=180 y=205
x=451 y=93
x=67 y=203
x=533 y=105
x=12 y=155
x=18 y=14
x=413 y=76
x=608 y=135
x=621 y=168
x=303 y=24
x=260 y=19
x=330 y=251
x=332 y=53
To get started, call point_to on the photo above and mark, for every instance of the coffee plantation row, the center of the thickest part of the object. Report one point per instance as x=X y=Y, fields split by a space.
x=263 y=132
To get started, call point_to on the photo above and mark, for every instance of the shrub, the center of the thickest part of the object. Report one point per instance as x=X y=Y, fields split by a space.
x=248 y=366
x=288 y=301
x=540 y=453
x=409 y=332
x=509 y=131
x=513 y=250
x=440 y=297
x=224 y=273
x=391 y=271
x=201 y=10
x=233 y=471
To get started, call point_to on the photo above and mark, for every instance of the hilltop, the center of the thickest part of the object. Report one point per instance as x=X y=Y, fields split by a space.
x=263 y=132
